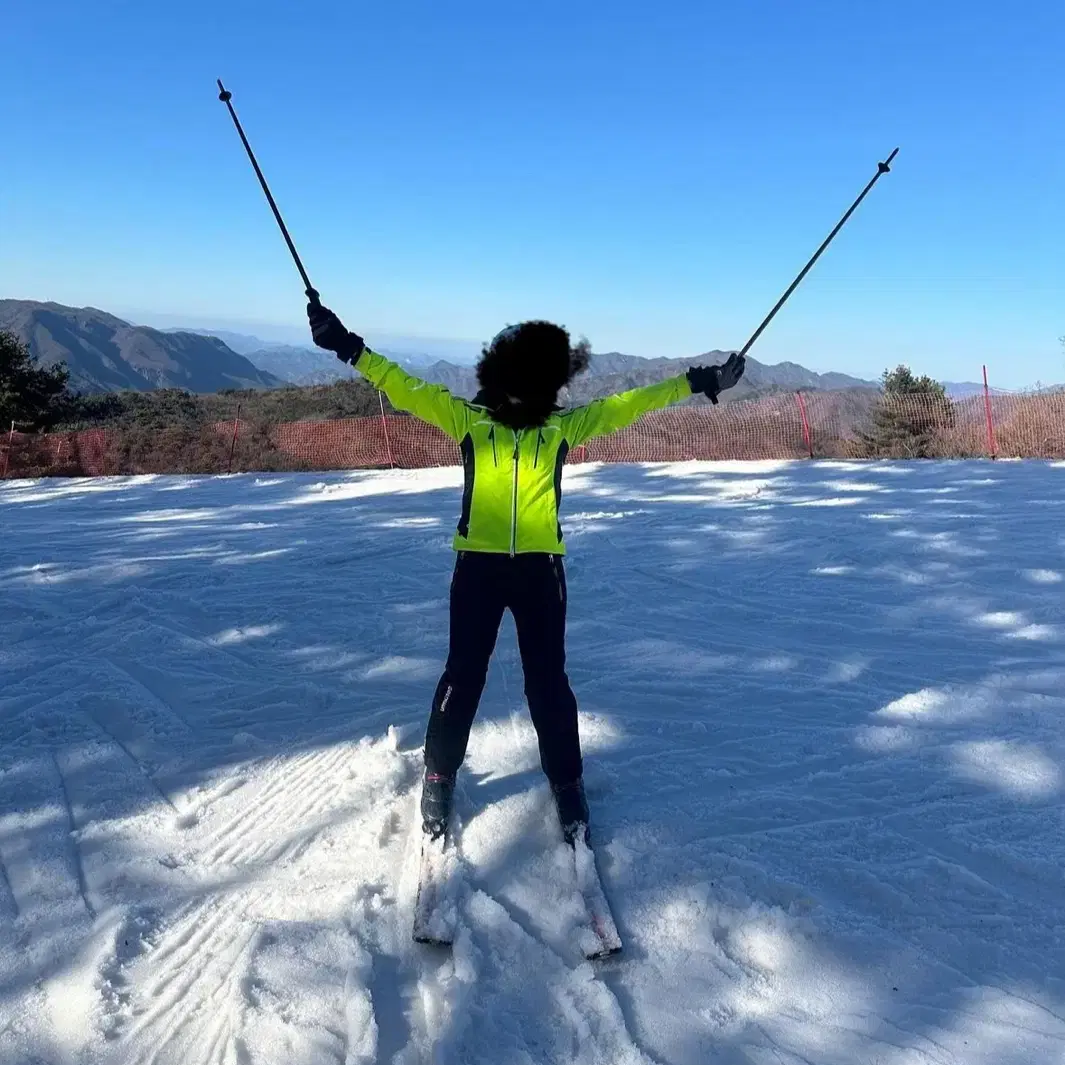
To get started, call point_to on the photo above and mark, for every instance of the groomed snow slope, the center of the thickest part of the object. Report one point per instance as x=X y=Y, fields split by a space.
x=822 y=709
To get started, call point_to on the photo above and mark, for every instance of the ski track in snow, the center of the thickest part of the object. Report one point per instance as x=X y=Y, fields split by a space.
x=822 y=712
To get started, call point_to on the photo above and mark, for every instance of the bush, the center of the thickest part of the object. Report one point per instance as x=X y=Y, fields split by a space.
x=167 y=407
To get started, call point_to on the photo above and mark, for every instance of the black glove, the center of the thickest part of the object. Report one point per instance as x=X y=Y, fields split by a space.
x=329 y=333
x=712 y=380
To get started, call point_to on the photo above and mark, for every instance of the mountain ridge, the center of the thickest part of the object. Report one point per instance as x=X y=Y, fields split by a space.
x=608 y=371
x=105 y=353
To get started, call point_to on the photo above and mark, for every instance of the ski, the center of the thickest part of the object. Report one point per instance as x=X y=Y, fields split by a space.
x=436 y=902
x=599 y=938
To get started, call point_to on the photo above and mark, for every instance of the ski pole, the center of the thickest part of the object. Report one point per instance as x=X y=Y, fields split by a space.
x=226 y=97
x=881 y=169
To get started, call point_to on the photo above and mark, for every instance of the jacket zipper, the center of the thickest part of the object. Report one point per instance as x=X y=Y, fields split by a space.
x=492 y=437
x=539 y=441
x=514 y=504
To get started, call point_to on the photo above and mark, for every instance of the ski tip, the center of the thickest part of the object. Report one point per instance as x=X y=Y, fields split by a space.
x=605 y=952
x=432 y=941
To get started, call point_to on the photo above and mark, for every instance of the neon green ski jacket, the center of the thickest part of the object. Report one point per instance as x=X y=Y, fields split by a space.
x=513 y=478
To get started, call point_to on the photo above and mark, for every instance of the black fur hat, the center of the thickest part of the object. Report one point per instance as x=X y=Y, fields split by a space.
x=523 y=369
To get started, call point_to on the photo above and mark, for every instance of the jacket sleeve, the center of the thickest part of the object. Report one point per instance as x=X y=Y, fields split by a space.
x=608 y=415
x=432 y=403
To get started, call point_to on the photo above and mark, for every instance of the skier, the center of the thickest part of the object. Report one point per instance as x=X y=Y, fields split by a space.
x=514 y=440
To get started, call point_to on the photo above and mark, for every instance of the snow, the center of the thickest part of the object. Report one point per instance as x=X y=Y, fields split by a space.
x=822 y=712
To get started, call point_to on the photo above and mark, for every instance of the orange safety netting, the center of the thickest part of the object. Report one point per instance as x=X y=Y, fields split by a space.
x=783 y=426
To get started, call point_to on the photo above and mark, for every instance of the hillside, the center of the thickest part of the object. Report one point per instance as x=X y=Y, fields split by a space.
x=175 y=408
x=107 y=354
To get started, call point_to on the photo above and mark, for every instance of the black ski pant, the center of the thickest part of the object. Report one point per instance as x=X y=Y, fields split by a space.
x=483 y=587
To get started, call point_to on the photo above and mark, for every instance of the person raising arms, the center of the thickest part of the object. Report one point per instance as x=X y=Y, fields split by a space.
x=514 y=439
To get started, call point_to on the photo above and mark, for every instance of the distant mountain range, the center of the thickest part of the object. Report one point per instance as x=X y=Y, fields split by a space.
x=614 y=372
x=297 y=365
x=607 y=372
x=965 y=389
x=106 y=354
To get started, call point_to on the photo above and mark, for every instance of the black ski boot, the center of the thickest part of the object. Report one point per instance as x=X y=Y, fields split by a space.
x=436 y=803
x=572 y=810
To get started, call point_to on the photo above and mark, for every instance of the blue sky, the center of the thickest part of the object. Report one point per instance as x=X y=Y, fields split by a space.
x=652 y=175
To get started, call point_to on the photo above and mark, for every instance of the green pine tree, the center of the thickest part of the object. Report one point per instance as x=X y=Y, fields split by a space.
x=32 y=396
x=909 y=419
